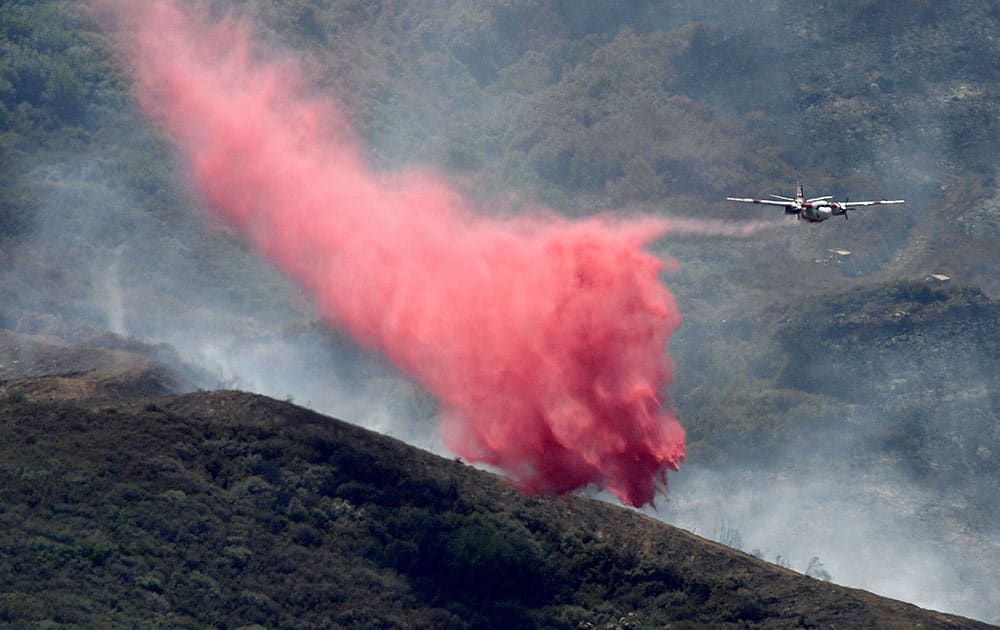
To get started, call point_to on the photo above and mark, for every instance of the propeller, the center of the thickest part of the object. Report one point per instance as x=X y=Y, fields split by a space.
x=846 y=199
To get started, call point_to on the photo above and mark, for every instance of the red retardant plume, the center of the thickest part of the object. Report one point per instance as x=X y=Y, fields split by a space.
x=544 y=339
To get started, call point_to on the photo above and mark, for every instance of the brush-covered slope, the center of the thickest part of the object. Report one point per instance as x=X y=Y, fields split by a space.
x=227 y=509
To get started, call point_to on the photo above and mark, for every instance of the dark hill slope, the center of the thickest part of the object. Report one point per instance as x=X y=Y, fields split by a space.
x=895 y=379
x=884 y=345
x=227 y=509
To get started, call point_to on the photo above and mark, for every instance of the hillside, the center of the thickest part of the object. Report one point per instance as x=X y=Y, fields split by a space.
x=228 y=509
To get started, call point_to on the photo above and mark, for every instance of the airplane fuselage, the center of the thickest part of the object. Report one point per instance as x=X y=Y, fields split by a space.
x=812 y=212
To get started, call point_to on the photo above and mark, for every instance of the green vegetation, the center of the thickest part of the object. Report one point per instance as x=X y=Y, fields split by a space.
x=257 y=522
x=55 y=80
x=225 y=510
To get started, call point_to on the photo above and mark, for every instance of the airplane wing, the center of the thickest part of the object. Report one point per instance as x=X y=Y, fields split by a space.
x=765 y=201
x=849 y=204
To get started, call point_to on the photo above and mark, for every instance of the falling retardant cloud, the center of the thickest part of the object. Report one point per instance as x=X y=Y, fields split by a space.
x=543 y=338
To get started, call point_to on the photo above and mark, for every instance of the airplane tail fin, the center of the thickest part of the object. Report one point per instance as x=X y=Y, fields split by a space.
x=800 y=193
